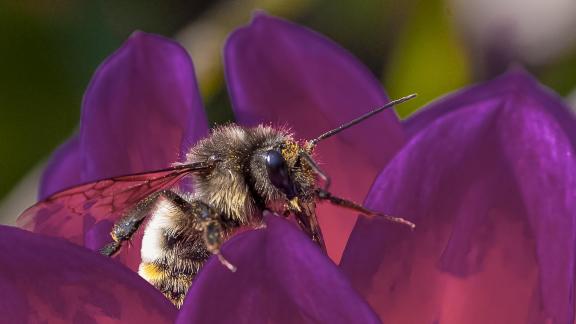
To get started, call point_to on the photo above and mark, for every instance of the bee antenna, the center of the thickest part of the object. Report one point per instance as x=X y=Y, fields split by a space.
x=360 y=119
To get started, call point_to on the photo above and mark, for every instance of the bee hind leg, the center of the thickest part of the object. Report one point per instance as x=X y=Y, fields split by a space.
x=209 y=222
x=126 y=226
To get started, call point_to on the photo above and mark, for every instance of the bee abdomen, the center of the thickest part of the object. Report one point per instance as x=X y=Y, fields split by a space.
x=172 y=252
x=172 y=282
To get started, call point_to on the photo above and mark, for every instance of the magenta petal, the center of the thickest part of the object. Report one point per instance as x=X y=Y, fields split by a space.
x=141 y=109
x=282 y=277
x=46 y=280
x=491 y=186
x=63 y=169
x=465 y=98
x=283 y=74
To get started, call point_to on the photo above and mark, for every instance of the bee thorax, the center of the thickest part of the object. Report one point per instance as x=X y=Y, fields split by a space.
x=238 y=186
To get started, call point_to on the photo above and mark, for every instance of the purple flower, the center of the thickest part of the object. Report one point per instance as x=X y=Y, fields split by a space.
x=489 y=177
x=487 y=174
x=142 y=111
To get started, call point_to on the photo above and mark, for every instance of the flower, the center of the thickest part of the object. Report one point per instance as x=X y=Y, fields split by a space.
x=142 y=110
x=487 y=174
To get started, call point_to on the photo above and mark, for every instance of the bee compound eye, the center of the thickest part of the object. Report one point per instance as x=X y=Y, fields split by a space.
x=274 y=160
x=278 y=173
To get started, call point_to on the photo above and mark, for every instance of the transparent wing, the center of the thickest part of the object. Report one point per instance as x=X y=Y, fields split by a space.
x=73 y=212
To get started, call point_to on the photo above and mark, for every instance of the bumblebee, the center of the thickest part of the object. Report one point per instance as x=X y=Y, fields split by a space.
x=238 y=173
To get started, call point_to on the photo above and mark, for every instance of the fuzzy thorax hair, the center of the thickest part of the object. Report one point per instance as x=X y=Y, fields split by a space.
x=239 y=186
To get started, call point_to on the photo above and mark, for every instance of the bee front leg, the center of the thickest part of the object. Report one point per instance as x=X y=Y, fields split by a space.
x=322 y=194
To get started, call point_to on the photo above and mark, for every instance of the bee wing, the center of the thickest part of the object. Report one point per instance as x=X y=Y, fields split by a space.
x=308 y=222
x=69 y=213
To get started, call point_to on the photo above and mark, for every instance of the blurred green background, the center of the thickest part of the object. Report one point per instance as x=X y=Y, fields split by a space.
x=49 y=49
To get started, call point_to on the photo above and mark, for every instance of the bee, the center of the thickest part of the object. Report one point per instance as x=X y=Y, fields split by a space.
x=238 y=173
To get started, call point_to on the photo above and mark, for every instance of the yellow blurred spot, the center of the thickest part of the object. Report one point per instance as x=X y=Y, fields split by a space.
x=428 y=57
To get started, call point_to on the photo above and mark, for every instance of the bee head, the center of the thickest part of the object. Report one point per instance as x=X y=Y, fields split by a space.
x=279 y=175
x=285 y=169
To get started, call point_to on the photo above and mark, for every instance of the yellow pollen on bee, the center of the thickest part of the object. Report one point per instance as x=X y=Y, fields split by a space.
x=151 y=272
x=294 y=203
x=290 y=152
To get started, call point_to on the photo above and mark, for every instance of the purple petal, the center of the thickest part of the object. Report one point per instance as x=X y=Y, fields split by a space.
x=283 y=74
x=491 y=186
x=46 y=280
x=141 y=112
x=141 y=109
x=282 y=277
x=465 y=98
x=63 y=169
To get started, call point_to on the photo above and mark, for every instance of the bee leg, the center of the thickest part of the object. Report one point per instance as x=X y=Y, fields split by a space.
x=322 y=194
x=213 y=240
x=110 y=248
x=213 y=234
x=126 y=226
